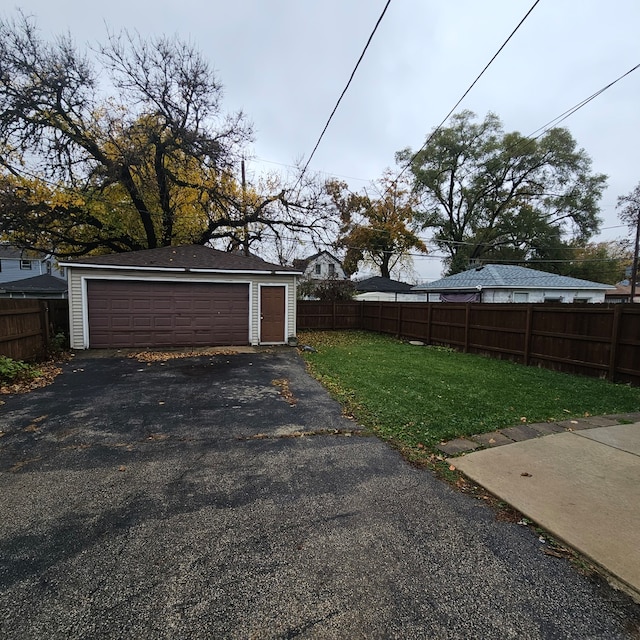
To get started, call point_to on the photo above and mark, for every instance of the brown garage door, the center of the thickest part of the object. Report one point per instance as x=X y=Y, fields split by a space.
x=161 y=314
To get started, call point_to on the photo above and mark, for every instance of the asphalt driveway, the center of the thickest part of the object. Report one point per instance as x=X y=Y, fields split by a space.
x=179 y=500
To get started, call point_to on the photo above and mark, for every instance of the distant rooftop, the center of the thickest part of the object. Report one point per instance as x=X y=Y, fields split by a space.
x=36 y=284
x=378 y=283
x=506 y=276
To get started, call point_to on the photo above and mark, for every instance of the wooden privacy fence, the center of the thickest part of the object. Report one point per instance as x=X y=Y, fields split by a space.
x=25 y=327
x=594 y=340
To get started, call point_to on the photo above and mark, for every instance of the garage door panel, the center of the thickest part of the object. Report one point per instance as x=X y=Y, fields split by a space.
x=141 y=314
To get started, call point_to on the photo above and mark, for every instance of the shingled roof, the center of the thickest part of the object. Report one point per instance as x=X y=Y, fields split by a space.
x=10 y=252
x=37 y=284
x=378 y=283
x=506 y=276
x=181 y=258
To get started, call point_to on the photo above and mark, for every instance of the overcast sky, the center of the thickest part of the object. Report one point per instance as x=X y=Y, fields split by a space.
x=285 y=62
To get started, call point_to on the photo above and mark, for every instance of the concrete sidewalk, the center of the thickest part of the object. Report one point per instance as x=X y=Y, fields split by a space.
x=582 y=486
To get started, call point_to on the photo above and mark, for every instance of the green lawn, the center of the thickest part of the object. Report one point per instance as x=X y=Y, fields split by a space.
x=418 y=396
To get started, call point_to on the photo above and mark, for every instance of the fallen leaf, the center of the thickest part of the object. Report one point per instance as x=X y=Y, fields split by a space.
x=285 y=390
x=122 y=468
x=452 y=468
x=163 y=356
x=524 y=474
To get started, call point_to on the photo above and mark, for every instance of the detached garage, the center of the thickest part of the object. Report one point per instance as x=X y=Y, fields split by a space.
x=179 y=296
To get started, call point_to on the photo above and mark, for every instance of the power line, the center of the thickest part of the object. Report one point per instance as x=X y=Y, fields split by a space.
x=569 y=112
x=344 y=91
x=464 y=95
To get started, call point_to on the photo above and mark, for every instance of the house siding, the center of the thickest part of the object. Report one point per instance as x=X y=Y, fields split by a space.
x=10 y=270
x=78 y=303
x=540 y=295
x=324 y=260
x=383 y=296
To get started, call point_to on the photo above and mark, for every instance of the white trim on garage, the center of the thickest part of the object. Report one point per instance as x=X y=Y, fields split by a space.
x=180 y=270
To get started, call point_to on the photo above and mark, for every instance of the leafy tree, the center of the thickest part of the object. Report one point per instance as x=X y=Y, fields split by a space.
x=381 y=231
x=151 y=165
x=494 y=195
x=600 y=262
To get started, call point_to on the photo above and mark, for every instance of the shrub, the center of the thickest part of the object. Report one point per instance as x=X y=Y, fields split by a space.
x=15 y=370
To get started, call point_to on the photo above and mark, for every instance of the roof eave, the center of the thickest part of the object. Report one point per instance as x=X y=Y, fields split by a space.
x=119 y=267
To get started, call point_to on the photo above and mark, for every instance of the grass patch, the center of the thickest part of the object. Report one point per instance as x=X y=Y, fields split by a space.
x=420 y=396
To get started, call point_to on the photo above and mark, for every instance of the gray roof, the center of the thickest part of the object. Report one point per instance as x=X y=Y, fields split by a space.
x=36 y=284
x=195 y=256
x=506 y=276
x=10 y=252
x=378 y=283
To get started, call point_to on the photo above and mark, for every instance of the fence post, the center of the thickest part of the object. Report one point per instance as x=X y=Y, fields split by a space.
x=44 y=326
x=467 y=313
x=615 y=333
x=399 y=320
x=428 y=322
x=361 y=315
x=333 y=315
x=527 y=334
x=380 y=316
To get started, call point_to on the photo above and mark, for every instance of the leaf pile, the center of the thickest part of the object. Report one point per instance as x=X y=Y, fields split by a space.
x=163 y=356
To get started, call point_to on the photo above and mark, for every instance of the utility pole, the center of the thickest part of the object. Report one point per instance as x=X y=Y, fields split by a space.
x=245 y=239
x=634 y=269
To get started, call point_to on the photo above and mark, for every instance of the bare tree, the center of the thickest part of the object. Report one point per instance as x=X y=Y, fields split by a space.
x=153 y=163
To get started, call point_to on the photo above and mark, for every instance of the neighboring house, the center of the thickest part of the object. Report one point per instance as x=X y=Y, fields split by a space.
x=378 y=288
x=180 y=296
x=18 y=264
x=321 y=266
x=622 y=293
x=509 y=283
x=44 y=286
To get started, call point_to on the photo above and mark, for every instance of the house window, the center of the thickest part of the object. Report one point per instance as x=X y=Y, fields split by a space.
x=520 y=296
x=25 y=264
x=318 y=269
x=583 y=300
x=332 y=269
x=48 y=265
